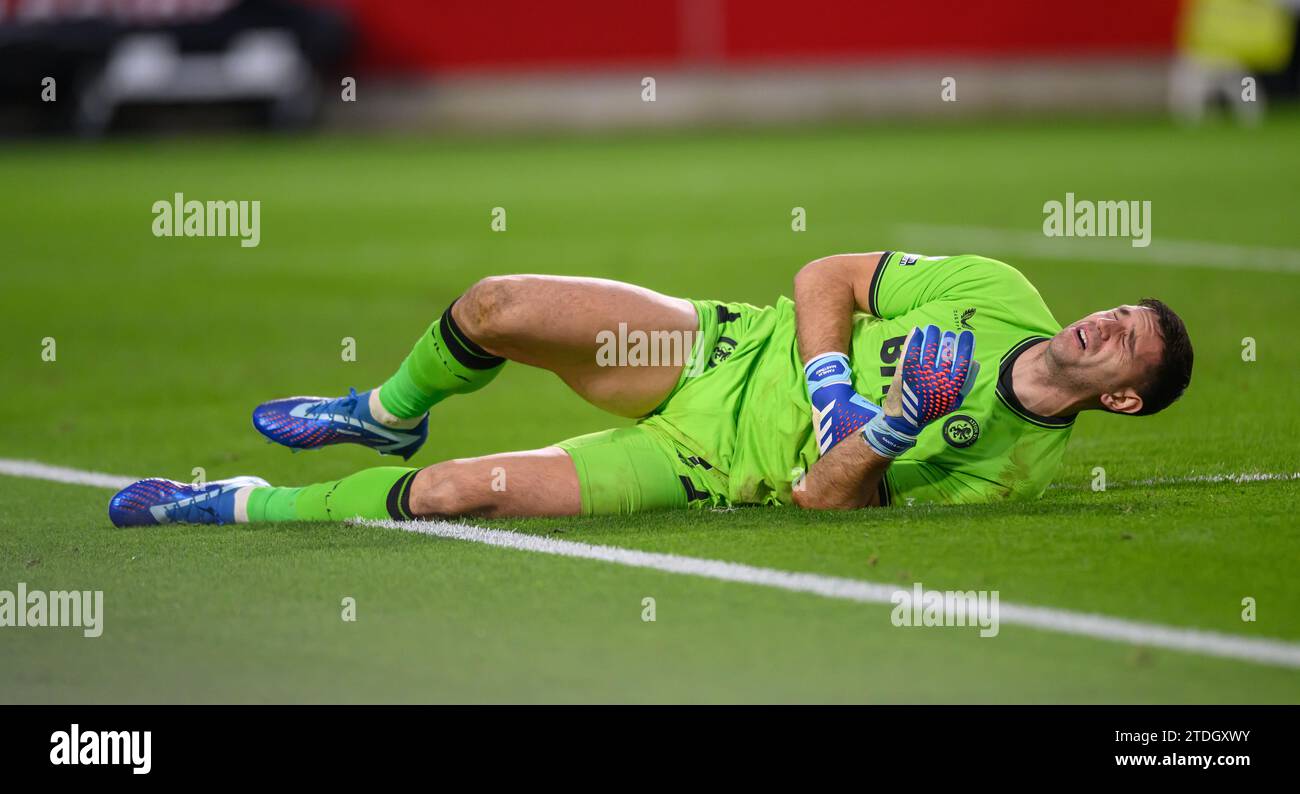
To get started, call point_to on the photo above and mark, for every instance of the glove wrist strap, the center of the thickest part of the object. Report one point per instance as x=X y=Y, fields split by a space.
x=885 y=439
x=826 y=369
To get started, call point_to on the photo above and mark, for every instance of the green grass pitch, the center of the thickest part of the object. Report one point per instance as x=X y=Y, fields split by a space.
x=165 y=345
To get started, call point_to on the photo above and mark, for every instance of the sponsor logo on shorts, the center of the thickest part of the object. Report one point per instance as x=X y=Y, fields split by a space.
x=725 y=347
x=961 y=431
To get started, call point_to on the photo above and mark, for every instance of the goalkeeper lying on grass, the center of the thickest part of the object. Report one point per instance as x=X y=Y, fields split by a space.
x=927 y=379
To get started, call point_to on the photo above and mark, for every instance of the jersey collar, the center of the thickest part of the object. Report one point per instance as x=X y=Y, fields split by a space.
x=1007 y=394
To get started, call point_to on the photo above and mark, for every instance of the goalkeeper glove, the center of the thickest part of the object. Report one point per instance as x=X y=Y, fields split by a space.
x=936 y=373
x=838 y=410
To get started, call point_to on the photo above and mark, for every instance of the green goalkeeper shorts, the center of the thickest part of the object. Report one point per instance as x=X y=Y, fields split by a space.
x=652 y=465
x=631 y=469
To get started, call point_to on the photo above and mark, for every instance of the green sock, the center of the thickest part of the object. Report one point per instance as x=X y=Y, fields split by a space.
x=272 y=504
x=381 y=492
x=443 y=362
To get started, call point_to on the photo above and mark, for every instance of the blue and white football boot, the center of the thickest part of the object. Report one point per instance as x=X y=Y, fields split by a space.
x=313 y=422
x=159 y=501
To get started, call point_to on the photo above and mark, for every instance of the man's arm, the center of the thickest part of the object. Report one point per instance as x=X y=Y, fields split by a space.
x=937 y=370
x=845 y=478
x=826 y=292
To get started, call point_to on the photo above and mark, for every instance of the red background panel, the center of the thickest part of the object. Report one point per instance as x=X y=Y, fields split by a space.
x=819 y=29
x=522 y=35
x=452 y=35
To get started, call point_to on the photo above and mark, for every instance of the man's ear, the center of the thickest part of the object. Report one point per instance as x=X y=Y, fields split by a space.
x=1124 y=401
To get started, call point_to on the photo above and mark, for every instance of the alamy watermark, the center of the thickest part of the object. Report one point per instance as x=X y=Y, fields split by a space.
x=25 y=608
x=921 y=607
x=637 y=348
x=1084 y=218
x=92 y=748
x=193 y=218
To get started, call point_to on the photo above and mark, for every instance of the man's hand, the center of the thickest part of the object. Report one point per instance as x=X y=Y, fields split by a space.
x=838 y=410
x=936 y=373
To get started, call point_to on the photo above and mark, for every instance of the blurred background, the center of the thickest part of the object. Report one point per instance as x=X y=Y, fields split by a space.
x=95 y=67
x=706 y=149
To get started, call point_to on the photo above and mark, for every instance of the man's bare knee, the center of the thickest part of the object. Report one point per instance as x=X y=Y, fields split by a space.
x=448 y=489
x=493 y=309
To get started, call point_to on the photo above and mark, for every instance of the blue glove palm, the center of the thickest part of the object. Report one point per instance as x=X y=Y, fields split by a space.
x=936 y=372
x=838 y=410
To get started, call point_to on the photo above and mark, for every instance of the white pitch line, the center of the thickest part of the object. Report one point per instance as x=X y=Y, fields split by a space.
x=1102 y=627
x=1251 y=649
x=1162 y=252
x=1235 y=479
x=43 y=471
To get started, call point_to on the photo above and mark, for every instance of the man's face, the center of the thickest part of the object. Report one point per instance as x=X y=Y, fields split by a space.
x=1110 y=352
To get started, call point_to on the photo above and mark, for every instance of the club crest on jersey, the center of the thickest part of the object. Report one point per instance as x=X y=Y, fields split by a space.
x=962 y=319
x=961 y=430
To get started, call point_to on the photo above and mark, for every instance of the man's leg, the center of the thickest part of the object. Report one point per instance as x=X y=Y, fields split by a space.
x=542 y=482
x=539 y=482
x=551 y=322
x=619 y=471
x=555 y=323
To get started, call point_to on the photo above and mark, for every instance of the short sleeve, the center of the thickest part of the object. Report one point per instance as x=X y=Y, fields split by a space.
x=903 y=282
x=908 y=482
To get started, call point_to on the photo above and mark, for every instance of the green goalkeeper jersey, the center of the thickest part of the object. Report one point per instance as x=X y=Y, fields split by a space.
x=750 y=418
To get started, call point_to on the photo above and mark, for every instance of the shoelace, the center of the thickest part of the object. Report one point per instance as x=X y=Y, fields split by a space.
x=346 y=405
x=200 y=506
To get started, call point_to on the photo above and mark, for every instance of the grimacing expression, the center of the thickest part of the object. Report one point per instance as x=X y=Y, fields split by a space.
x=1112 y=351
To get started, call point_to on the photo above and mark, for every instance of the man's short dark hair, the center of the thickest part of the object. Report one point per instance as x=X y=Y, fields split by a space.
x=1174 y=372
